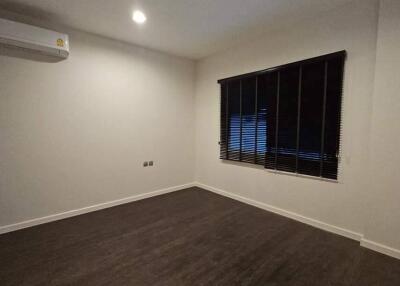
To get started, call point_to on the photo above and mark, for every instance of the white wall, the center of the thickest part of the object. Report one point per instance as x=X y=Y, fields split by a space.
x=366 y=201
x=352 y=28
x=384 y=221
x=75 y=133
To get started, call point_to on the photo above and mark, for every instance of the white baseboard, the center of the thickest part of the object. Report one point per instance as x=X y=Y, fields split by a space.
x=285 y=213
x=380 y=248
x=63 y=215
x=316 y=223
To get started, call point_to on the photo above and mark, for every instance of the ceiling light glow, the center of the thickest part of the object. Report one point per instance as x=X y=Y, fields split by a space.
x=139 y=17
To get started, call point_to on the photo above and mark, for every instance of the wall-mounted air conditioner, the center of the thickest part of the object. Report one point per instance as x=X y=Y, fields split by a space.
x=34 y=39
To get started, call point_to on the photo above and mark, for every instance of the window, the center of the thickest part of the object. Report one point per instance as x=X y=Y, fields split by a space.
x=285 y=118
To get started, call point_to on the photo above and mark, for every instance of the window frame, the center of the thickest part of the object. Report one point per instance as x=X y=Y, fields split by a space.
x=224 y=129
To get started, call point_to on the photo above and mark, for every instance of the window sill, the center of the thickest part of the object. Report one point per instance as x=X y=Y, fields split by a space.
x=277 y=172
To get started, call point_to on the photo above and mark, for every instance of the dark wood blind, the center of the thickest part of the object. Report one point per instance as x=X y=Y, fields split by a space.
x=285 y=118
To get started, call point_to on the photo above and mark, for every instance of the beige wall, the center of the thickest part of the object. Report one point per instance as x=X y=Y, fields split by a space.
x=352 y=28
x=75 y=133
x=383 y=224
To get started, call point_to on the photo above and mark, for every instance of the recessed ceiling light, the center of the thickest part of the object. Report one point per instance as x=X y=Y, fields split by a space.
x=139 y=17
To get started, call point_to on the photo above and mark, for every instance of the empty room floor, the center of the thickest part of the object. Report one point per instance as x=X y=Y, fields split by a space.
x=190 y=237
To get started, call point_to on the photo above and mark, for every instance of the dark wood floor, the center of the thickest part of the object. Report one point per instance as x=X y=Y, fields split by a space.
x=191 y=237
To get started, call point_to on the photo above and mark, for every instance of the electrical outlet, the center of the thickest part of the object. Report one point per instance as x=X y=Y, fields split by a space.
x=151 y=163
x=145 y=164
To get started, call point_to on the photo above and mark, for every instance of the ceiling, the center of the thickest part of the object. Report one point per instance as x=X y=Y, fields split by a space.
x=189 y=28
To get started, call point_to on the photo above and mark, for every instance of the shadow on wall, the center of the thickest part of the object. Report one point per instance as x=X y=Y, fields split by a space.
x=23 y=12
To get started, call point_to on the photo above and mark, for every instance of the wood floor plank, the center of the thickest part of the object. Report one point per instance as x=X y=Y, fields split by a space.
x=190 y=237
